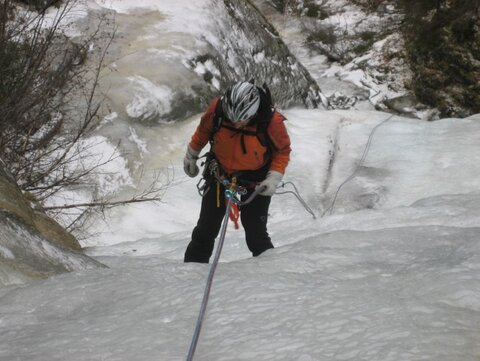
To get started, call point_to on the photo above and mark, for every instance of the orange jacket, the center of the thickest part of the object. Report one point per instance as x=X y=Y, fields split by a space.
x=227 y=144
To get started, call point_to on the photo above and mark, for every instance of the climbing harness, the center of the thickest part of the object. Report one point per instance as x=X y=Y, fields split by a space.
x=212 y=168
x=232 y=193
x=364 y=155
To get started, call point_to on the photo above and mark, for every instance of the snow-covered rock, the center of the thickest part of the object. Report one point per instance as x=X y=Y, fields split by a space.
x=32 y=245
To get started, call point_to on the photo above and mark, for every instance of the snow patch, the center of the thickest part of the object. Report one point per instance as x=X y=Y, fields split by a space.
x=151 y=101
x=6 y=253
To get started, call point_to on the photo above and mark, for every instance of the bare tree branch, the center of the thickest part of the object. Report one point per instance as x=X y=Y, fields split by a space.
x=49 y=104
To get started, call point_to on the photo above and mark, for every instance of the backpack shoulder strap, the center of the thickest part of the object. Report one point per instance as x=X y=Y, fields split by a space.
x=264 y=136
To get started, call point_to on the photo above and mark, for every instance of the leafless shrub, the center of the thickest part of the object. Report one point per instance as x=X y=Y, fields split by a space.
x=49 y=100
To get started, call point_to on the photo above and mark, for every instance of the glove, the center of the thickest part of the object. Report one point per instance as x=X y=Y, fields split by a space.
x=190 y=162
x=270 y=183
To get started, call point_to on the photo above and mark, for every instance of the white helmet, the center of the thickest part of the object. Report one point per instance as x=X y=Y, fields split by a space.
x=241 y=101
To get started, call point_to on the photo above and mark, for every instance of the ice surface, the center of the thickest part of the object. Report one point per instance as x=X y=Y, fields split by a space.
x=390 y=272
x=395 y=280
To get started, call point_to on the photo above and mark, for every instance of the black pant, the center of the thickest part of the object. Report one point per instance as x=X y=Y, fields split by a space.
x=254 y=220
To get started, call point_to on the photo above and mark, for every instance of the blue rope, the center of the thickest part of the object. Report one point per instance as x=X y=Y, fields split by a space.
x=208 y=287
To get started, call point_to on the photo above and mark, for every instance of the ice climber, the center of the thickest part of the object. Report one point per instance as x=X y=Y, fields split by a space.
x=249 y=141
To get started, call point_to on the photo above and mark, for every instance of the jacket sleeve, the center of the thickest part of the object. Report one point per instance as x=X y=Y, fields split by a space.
x=202 y=134
x=279 y=136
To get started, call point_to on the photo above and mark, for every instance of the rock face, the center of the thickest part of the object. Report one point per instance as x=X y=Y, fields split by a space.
x=257 y=51
x=165 y=66
x=32 y=245
x=13 y=202
x=352 y=48
x=427 y=49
